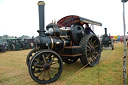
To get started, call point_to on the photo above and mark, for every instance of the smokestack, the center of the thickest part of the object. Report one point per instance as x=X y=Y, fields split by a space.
x=41 y=30
x=105 y=31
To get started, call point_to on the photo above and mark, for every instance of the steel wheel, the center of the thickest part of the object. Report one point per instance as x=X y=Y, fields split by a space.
x=12 y=47
x=22 y=46
x=69 y=60
x=29 y=56
x=112 y=45
x=45 y=66
x=91 y=50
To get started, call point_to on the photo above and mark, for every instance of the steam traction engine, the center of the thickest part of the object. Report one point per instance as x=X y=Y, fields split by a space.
x=107 y=41
x=65 y=41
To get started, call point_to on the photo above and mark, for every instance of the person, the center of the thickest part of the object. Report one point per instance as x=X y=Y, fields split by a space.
x=88 y=30
x=121 y=40
x=32 y=45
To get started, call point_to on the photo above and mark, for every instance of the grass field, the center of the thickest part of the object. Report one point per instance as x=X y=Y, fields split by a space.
x=109 y=71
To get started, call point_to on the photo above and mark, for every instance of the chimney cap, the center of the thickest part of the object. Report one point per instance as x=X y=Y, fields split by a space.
x=41 y=3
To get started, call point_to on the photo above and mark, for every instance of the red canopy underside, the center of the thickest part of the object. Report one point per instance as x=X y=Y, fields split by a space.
x=68 y=21
x=72 y=19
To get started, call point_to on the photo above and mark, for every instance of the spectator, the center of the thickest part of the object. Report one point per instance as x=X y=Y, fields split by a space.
x=32 y=45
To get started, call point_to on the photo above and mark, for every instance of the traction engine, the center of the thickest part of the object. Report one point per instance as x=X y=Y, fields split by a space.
x=64 y=41
x=107 y=41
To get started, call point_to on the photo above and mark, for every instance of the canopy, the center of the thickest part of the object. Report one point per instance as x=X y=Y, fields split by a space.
x=69 y=20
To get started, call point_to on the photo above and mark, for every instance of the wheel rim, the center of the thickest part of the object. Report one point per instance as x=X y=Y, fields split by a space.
x=45 y=67
x=30 y=56
x=93 y=50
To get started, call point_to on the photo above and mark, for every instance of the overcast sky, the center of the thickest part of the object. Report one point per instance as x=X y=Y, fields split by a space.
x=20 y=17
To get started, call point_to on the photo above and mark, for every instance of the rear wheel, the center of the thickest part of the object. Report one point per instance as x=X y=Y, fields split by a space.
x=45 y=66
x=91 y=50
x=22 y=46
x=12 y=47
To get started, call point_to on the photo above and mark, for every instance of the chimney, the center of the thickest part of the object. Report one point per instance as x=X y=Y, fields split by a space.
x=105 y=31
x=41 y=30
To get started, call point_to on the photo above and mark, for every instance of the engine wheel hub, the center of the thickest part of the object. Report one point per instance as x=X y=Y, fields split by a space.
x=92 y=50
x=46 y=67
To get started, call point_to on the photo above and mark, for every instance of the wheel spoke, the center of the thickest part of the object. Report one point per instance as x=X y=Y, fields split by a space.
x=36 y=65
x=91 y=59
x=96 y=52
x=94 y=57
x=53 y=67
x=51 y=70
x=89 y=44
x=48 y=56
x=52 y=60
x=88 y=54
x=39 y=61
x=44 y=59
x=37 y=71
x=96 y=46
x=54 y=63
x=48 y=59
x=91 y=40
x=44 y=74
x=94 y=42
x=88 y=47
x=48 y=74
x=40 y=73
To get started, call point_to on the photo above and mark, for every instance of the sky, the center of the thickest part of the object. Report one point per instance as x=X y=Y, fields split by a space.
x=20 y=17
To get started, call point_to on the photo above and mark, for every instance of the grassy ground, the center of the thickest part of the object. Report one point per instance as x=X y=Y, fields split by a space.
x=109 y=71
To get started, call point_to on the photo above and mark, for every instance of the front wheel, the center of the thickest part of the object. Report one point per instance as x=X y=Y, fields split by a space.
x=45 y=66
x=29 y=56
